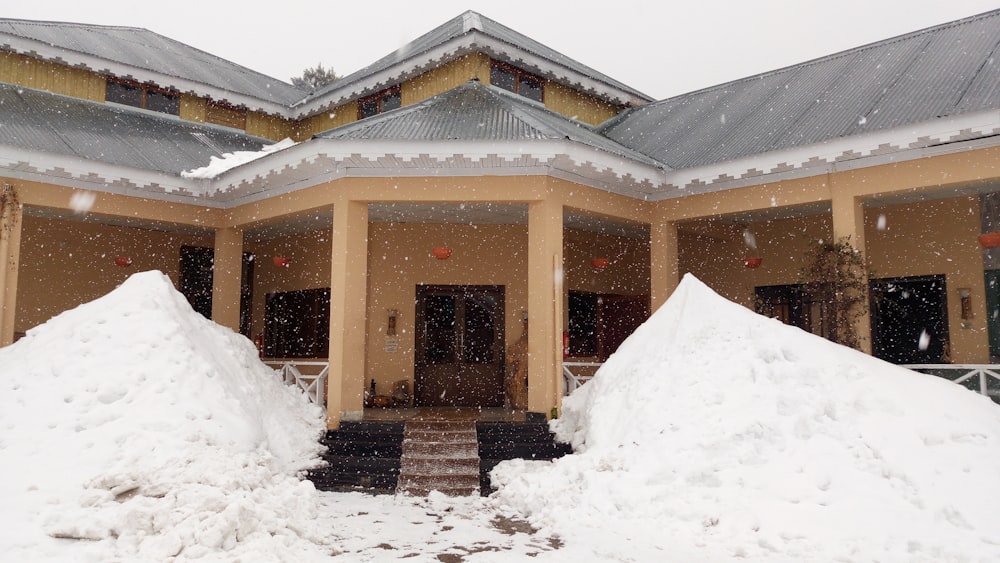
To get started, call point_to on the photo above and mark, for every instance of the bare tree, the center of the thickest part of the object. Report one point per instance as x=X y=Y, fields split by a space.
x=835 y=278
x=314 y=78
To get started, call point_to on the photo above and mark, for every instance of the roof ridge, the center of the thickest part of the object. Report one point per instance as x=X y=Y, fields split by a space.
x=52 y=23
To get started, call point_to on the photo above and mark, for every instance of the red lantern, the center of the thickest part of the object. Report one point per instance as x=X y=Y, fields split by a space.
x=282 y=261
x=441 y=252
x=599 y=264
x=989 y=240
x=123 y=261
x=752 y=262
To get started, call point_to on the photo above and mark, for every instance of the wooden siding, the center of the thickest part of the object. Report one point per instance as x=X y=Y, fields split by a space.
x=51 y=77
x=268 y=126
x=340 y=115
x=444 y=78
x=194 y=108
x=577 y=105
x=226 y=116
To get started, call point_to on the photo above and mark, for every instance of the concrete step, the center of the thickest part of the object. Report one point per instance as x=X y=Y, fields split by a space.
x=439 y=456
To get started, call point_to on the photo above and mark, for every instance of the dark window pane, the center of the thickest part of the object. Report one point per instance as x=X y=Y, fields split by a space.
x=503 y=78
x=440 y=329
x=123 y=94
x=479 y=336
x=582 y=324
x=368 y=108
x=391 y=100
x=163 y=103
x=297 y=324
x=530 y=88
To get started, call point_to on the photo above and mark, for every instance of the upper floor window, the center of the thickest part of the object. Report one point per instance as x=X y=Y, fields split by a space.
x=379 y=103
x=142 y=96
x=516 y=80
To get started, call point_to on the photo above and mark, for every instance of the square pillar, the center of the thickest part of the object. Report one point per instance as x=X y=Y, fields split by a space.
x=11 y=215
x=227 y=277
x=664 y=266
x=348 y=309
x=848 y=217
x=545 y=304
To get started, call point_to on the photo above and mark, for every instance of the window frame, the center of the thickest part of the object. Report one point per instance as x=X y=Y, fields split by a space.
x=144 y=92
x=379 y=99
x=519 y=76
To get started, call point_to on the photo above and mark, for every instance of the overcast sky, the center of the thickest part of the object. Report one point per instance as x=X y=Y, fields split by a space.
x=662 y=48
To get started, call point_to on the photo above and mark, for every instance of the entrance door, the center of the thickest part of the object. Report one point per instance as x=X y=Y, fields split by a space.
x=910 y=320
x=459 y=358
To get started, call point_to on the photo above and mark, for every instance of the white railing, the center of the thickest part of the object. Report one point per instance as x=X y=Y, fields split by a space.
x=572 y=376
x=976 y=377
x=314 y=385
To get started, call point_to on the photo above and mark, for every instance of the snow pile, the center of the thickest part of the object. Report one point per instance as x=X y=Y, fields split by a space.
x=134 y=422
x=719 y=433
x=230 y=160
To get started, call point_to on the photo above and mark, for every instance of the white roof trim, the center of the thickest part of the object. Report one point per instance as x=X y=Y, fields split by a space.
x=856 y=151
x=452 y=49
x=45 y=51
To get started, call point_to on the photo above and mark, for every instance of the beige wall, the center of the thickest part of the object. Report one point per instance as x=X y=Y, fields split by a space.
x=628 y=268
x=400 y=259
x=446 y=77
x=309 y=268
x=936 y=237
x=68 y=263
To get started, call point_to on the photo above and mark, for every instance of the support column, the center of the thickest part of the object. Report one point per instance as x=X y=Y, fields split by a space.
x=11 y=215
x=227 y=278
x=664 y=268
x=545 y=304
x=848 y=217
x=348 y=310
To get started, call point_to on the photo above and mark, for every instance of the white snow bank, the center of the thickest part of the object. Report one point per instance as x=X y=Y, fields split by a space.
x=134 y=422
x=721 y=434
x=230 y=160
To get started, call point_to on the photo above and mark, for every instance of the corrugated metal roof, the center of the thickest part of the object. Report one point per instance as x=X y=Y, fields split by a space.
x=143 y=49
x=40 y=121
x=477 y=112
x=472 y=22
x=941 y=71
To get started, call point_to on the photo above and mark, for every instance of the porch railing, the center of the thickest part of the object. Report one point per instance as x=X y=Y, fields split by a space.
x=576 y=374
x=981 y=378
x=313 y=384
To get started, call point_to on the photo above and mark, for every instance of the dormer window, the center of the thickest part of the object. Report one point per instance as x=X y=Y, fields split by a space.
x=516 y=80
x=379 y=103
x=142 y=96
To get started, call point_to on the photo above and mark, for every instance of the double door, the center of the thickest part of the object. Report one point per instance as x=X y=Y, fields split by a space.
x=459 y=355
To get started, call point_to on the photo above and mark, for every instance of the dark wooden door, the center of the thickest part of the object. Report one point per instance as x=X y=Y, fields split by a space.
x=459 y=353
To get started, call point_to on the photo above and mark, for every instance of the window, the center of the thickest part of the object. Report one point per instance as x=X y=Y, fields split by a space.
x=142 y=96
x=297 y=324
x=382 y=102
x=600 y=322
x=516 y=80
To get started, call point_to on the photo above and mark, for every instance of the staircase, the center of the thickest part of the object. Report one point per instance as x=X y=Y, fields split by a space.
x=499 y=441
x=439 y=455
x=360 y=456
x=448 y=453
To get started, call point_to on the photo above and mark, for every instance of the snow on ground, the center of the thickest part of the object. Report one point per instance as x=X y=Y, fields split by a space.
x=133 y=429
x=714 y=433
x=139 y=426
